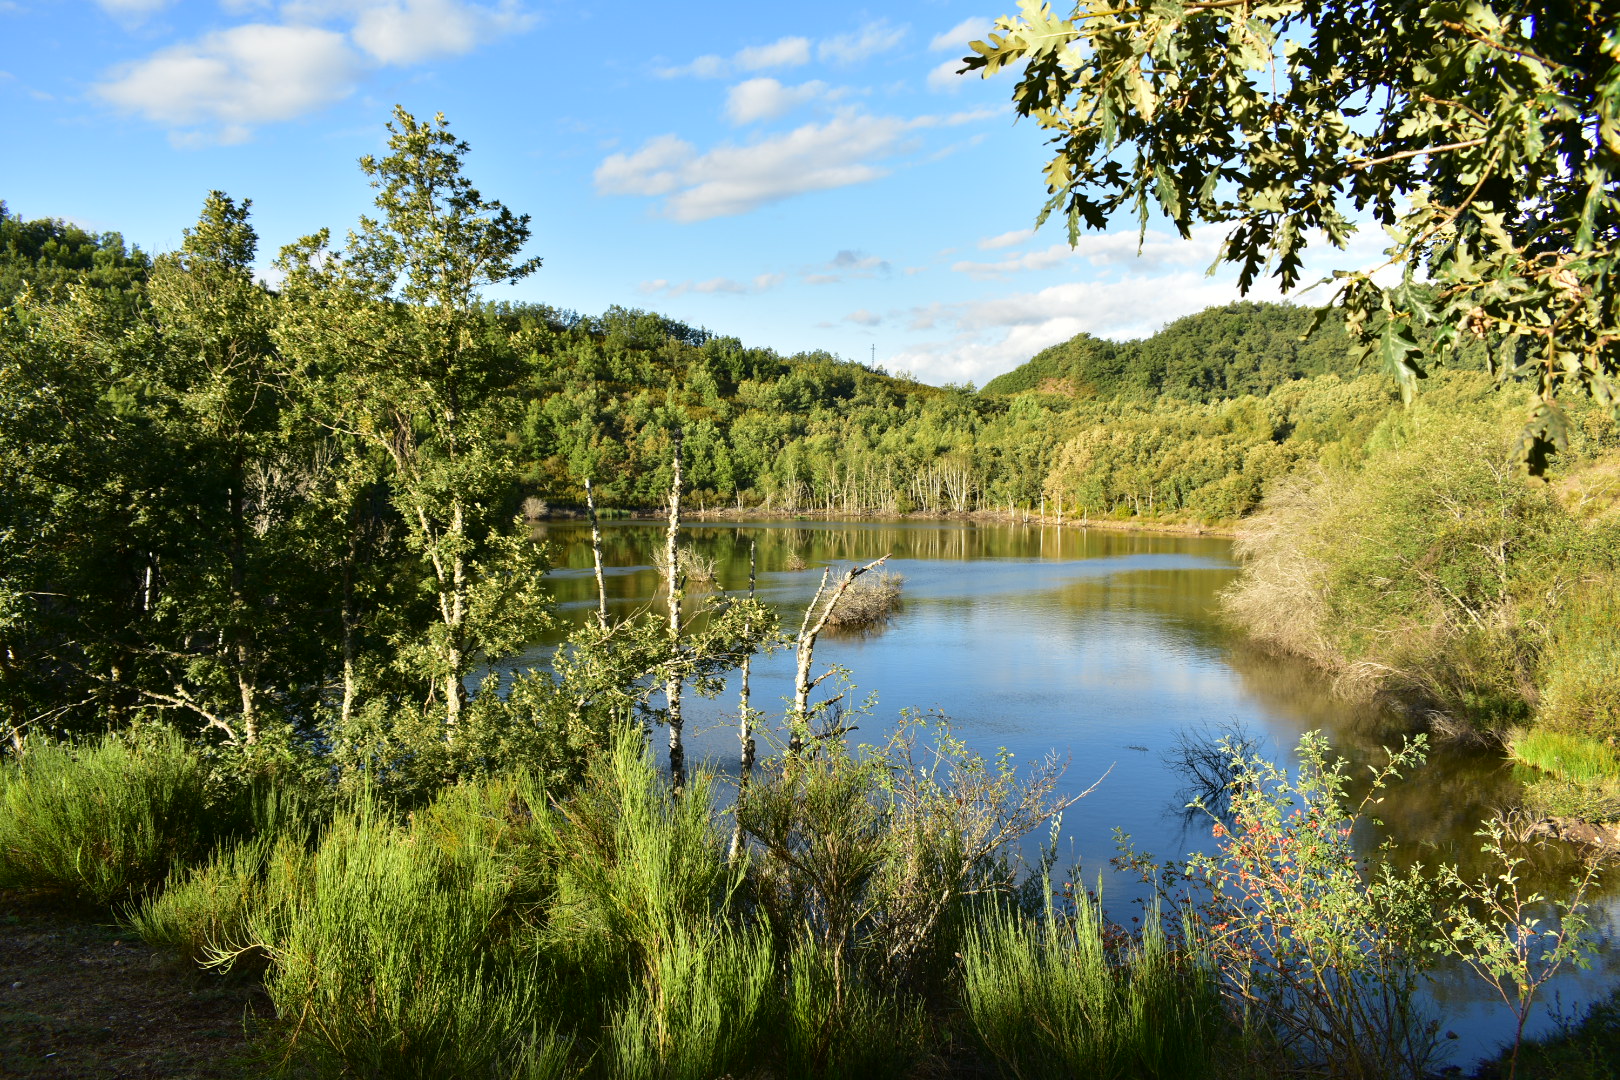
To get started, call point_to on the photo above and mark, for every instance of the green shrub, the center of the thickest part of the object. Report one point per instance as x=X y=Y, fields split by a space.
x=1050 y=999
x=696 y=1013
x=1432 y=572
x=104 y=820
x=1581 y=664
x=390 y=964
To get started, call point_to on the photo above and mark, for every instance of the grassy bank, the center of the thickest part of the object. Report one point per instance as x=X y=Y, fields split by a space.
x=869 y=921
x=1436 y=573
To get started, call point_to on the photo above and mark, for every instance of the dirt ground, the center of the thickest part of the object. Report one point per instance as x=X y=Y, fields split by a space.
x=80 y=998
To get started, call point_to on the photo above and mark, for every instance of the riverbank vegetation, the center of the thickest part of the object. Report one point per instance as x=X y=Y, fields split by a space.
x=1436 y=573
x=268 y=553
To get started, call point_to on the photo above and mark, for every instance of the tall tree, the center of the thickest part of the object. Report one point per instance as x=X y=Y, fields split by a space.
x=1483 y=135
x=395 y=349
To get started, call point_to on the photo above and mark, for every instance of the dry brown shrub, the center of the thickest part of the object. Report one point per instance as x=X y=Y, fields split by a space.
x=1280 y=598
x=869 y=602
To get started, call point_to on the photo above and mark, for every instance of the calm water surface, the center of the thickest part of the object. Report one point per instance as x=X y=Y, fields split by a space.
x=1101 y=646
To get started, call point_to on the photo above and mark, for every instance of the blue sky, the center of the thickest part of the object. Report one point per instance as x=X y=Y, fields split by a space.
x=800 y=177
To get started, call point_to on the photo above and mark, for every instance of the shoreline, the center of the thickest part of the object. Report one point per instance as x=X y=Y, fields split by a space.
x=1000 y=517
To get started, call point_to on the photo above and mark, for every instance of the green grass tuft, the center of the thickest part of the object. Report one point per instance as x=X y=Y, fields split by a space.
x=103 y=821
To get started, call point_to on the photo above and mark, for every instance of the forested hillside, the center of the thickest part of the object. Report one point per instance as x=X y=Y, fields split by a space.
x=1225 y=352
x=1189 y=423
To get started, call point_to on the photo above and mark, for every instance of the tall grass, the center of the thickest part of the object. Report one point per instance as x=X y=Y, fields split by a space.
x=1581 y=663
x=697 y=1011
x=103 y=820
x=391 y=965
x=1568 y=757
x=205 y=911
x=1051 y=999
x=836 y=1026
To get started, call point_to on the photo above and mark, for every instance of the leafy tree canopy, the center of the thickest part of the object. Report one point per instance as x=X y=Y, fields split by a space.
x=1482 y=135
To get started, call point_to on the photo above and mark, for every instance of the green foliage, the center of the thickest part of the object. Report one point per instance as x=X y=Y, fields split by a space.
x=48 y=256
x=102 y=821
x=1433 y=571
x=1242 y=349
x=1323 y=956
x=1483 y=136
x=1579 y=692
x=1569 y=757
x=1052 y=998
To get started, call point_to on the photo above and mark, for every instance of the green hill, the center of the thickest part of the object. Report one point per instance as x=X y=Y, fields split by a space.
x=1220 y=353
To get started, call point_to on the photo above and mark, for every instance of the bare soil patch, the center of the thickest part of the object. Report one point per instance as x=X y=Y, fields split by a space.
x=82 y=998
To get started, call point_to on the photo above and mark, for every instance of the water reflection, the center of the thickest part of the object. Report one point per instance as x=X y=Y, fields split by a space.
x=1102 y=645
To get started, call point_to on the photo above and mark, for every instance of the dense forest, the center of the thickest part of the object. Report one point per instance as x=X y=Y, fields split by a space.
x=260 y=546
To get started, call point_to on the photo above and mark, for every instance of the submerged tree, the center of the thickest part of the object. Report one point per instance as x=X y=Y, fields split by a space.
x=1483 y=136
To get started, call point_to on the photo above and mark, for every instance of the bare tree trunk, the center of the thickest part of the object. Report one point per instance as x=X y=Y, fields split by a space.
x=745 y=713
x=454 y=692
x=672 y=685
x=799 y=722
x=596 y=556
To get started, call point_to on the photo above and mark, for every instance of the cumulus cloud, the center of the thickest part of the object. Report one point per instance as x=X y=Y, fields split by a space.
x=409 y=31
x=736 y=179
x=863 y=318
x=1154 y=251
x=874 y=37
x=223 y=84
x=946 y=77
x=1005 y=240
x=784 y=52
x=766 y=99
x=788 y=52
x=231 y=80
x=958 y=36
x=848 y=149
x=132 y=9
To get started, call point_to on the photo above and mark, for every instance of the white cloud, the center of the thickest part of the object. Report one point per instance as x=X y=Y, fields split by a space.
x=874 y=37
x=947 y=76
x=223 y=84
x=766 y=99
x=1005 y=240
x=655 y=169
x=132 y=9
x=1157 y=250
x=409 y=31
x=229 y=81
x=713 y=286
x=785 y=52
x=996 y=335
x=736 y=179
x=958 y=36
x=863 y=318
x=788 y=52
x=731 y=179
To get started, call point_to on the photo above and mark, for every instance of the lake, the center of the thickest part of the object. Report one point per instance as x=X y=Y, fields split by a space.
x=1102 y=646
